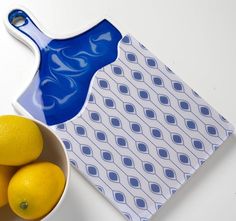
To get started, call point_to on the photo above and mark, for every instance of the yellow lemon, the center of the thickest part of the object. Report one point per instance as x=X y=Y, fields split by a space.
x=35 y=189
x=6 y=173
x=20 y=140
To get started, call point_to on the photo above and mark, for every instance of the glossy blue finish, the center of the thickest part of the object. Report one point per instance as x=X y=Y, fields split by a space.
x=60 y=87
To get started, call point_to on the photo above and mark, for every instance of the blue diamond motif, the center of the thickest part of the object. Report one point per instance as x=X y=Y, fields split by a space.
x=197 y=144
x=177 y=138
x=95 y=116
x=170 y=119
x=143 y=94
x=178 y=86
x=131 y=57
x=141 y=203
x=191 y=125
x=127 y=161
x=107 y=156
x=157 y=81
x=103 y=84
x=155 y=188
x=129 y=108
x=142 y=147
x=184 y=105
x=134 y=182
x=91 y=98
x=169 y=173
x=164 y=100
x=126 y=40
x=137 y=76
x=119 y=197
x=151 y=62
x=183 y=158
x=101 y=136
x=205 y=111
x=156 y=133
x=150 y=113
x=80 y=130
x=163 y=153
x=109 y=103
x=212 y=130
x=135 y=127
x=61 y=126
x=123 y=89
x=92 y=170
x=113 y=176
x=121 y=141
x=117 y=70
x=86 y=150
x=115 y=122
x=148 y=167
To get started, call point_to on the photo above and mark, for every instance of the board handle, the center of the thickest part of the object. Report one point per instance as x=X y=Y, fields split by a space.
x=21 y=21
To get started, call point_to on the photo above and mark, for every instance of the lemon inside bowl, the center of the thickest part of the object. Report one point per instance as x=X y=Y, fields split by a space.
x=54 y=152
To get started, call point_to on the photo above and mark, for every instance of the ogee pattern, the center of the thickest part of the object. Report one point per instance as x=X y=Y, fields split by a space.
x=143 y=133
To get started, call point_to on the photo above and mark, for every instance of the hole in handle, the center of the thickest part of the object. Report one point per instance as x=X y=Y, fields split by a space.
x=18 y=21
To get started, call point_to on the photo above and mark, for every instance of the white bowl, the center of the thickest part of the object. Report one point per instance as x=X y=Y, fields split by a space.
x=55 y=152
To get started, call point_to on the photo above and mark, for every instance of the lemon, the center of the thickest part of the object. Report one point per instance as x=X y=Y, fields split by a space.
x=6 y=173
x=20 y=140
x=35 y=189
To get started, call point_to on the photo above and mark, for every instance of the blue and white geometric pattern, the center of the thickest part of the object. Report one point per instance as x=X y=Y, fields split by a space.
x=143 y=132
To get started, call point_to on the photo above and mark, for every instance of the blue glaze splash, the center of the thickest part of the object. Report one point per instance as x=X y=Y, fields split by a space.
x=60 y=87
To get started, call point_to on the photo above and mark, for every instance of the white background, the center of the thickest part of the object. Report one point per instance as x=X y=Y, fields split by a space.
x=196 y=39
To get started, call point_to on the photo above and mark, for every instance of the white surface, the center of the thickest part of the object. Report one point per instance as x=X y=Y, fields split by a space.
x=197 y=40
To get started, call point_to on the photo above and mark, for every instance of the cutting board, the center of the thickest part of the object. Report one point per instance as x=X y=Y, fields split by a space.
x=132 y=128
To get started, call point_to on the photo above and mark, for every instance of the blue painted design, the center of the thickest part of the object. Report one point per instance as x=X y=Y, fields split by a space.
x=204 y=110
x=92 y=170
x=131 y=57
x=157 y=81
x=103 y=84
x=115 y=122
x=143 y=94
x=150 y=113
x=137 y=75
x=121 y=141
x=135 y=127
x=197 y=144
x=164 y=100
x=107 y=156
x=109 y=103
x=155 y=188
x=119 y=197
x=191 y=124
x=95 y=116
x=170 y=119
x=60 y=87
x=101 y=136
x=129 y=108
x=81 y=131
x=141 y=203
x=86 y=150
x=113 y=176
x=151 y=62
x=169 y=173
x=177 y=138
x=156 y=133
x=148 y=167
x=134 y=182
x=127 y=161
x=142 y=147
x=117 y=70
x=178 y=86
x=163 y=153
